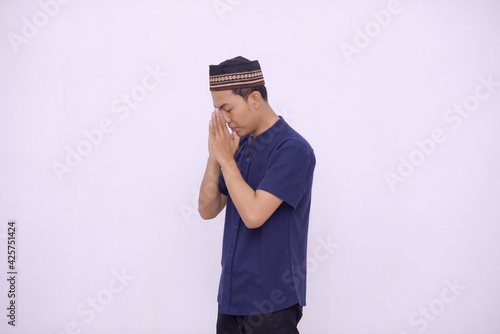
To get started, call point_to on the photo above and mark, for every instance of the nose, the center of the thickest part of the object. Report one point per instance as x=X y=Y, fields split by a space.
x=226 y=117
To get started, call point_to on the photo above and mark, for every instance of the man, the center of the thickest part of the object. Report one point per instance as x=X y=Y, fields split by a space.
x=262 y=173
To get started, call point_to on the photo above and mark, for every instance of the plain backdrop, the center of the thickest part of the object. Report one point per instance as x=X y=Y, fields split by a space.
x=104 y=110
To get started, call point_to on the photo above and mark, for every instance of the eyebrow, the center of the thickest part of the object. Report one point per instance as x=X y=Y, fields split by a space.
x=222 y=106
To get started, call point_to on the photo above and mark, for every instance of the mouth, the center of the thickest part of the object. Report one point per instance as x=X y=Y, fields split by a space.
x=234 y=129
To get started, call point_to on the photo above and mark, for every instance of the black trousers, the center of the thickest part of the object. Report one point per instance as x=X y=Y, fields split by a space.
x=279 y=322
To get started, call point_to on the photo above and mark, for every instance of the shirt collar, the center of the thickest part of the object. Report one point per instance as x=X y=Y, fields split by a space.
x=265 y=136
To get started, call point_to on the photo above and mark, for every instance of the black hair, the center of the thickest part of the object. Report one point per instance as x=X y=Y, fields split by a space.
x=245 y=92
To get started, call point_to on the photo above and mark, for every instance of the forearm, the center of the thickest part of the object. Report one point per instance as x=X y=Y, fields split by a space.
x=243 y=196
x=209 y=201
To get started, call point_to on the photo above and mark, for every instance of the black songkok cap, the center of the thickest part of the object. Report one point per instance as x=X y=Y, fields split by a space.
x=236 y=73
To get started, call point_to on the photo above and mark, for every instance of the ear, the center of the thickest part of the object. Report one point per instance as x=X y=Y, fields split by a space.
x=255 y=100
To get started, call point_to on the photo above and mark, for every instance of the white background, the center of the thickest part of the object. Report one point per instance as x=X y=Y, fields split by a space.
x=129 y=205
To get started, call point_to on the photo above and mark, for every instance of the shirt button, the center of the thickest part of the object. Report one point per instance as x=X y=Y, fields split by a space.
x=248 y=159
x=235 y=226
x=231 y=249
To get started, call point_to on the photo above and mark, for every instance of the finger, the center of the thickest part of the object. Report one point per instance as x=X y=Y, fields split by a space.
x=222 y=125
x=235 y=137
x=211 y=130
x=215 y=122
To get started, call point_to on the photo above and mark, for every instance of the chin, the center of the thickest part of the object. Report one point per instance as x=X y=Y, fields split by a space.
x=241 y=133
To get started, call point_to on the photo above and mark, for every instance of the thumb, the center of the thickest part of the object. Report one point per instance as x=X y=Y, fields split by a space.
x=235 y=137
x=236 y=141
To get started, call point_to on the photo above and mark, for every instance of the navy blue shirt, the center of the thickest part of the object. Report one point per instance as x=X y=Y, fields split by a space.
x=264 y=269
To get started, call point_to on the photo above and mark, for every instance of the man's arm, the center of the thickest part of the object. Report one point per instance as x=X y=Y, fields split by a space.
x=254 y=207
x=211 y=201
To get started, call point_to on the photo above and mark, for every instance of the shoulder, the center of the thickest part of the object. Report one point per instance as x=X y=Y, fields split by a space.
x=294 y=144
x=293 y=139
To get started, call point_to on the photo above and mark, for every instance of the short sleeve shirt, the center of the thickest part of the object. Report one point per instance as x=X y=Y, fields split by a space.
x=264 y=269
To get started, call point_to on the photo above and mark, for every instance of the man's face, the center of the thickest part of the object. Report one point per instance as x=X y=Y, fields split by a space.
x=236 y=111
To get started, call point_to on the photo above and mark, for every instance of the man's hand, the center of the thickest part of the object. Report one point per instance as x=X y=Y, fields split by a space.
x=254 y=207
x=221 y=145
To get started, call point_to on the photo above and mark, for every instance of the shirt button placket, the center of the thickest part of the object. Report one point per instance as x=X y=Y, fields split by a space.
x=230 y=251
x=248 y=155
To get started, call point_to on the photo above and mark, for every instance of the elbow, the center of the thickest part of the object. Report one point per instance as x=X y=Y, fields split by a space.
x=205 y=215
x=205 y=210
x=253 y=222
x=202 y=215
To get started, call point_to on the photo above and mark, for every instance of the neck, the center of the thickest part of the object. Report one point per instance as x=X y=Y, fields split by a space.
x=268 y=119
